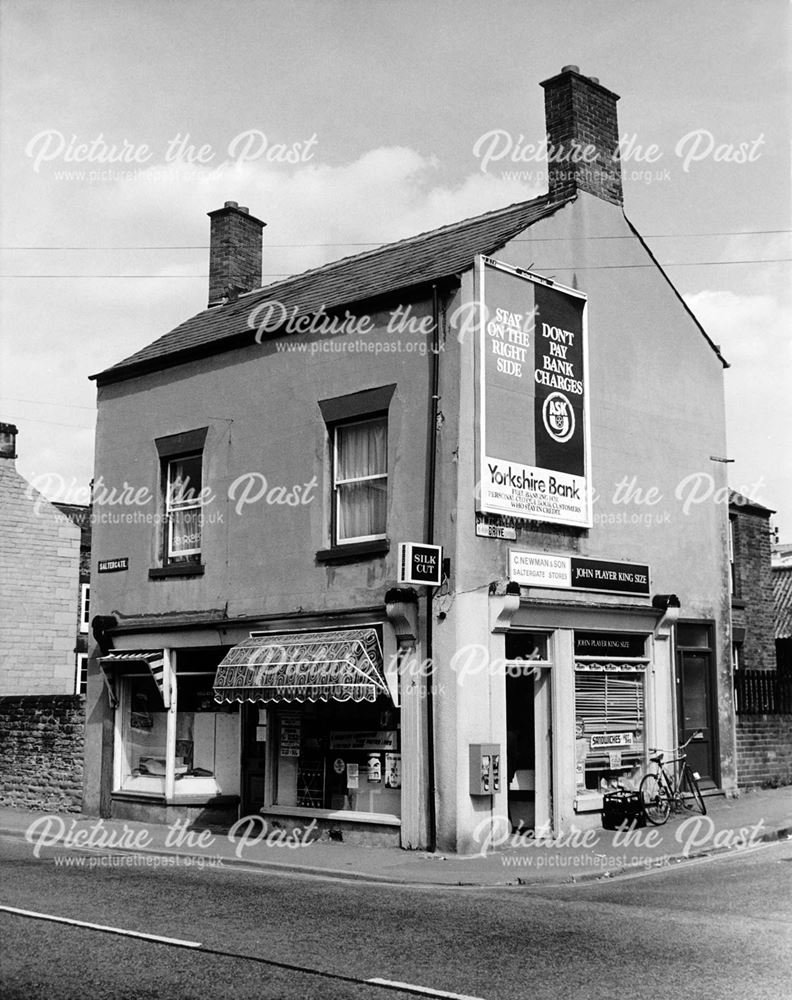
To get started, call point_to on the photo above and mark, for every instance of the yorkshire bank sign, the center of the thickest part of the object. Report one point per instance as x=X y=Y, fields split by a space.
x=533 y=415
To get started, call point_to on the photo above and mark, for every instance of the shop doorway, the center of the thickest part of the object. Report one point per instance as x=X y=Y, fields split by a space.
x=254 y=750
x=695 y=700
x=521 y=751
x=528 y=732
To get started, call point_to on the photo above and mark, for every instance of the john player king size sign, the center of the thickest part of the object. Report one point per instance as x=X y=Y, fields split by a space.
x=533 y=434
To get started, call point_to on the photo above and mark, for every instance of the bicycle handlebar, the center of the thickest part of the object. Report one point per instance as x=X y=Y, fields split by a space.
x=697 y=733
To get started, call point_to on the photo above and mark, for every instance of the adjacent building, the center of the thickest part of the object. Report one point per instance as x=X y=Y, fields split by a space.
x=80 y=514
x=753 y=645
x=546 y=438
x=39 y=585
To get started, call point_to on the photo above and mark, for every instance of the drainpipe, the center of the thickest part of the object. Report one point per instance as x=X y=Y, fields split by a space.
x=430 y=517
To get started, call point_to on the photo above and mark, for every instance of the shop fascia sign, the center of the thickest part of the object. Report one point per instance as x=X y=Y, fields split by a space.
x=538 y=569
x=420 y=565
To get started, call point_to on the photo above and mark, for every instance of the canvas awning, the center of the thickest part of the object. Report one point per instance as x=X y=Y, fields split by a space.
x=303 y=666
x=154 y=659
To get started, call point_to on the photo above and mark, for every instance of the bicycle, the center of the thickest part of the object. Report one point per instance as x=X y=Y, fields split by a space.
x=659 y=791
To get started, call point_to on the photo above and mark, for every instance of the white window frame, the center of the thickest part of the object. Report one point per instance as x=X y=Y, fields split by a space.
x=159 y=786
x=81 y=663
x=337 y=540
x=85 y=598
x=179 y=506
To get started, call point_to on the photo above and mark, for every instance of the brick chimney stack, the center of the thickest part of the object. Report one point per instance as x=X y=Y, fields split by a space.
x=234 y=253
x=580 y=116
x=8 y=435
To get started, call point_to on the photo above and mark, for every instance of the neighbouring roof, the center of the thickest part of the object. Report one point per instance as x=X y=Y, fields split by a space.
x=77 y=512
x=782 y=585
x=420 y=259
x=738 y=500
x=781 y=554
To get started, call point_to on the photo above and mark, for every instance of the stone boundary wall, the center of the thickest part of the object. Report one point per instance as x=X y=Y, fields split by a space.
x=764 y=750
x=41 y=752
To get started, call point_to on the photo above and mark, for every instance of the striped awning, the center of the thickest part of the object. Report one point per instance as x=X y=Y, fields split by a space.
x=154 y=659
x=303 y=666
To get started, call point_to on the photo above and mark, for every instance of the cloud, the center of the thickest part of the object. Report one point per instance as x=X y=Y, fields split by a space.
x=753 y=332
x=58 y=330
x=749 y=328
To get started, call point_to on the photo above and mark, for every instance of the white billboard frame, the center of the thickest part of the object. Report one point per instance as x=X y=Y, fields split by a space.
x=482 y=262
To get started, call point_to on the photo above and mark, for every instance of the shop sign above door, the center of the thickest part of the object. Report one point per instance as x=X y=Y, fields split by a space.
x=604 y=644
x=420 y=564
x=539 y=569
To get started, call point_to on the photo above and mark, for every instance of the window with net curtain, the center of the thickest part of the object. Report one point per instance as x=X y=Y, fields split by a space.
x=183 y=507
x=360 y=480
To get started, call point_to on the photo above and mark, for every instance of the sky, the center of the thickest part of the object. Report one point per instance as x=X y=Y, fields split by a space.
x=348 y=123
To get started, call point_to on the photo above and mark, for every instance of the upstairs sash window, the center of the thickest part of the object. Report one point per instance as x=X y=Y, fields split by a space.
x=183 y=507
x=360 y=480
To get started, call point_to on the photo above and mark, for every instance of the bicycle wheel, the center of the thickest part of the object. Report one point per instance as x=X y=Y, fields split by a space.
x=692 y=792
x=654 y=796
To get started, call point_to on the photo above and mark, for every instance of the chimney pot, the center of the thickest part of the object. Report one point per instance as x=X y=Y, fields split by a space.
x=570 y=69
x=8 y=434
x=234 y=253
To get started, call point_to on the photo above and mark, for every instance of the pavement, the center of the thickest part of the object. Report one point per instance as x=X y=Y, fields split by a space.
x=731 y=824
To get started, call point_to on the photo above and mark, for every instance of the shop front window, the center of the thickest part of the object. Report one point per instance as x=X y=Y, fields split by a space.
x=343 y=756
x=144 y=730
x=609 y=726
x=204 y=736
x=207 y=739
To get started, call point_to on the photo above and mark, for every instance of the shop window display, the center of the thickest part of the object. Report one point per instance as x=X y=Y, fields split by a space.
x=143 y=736
x=609 y=727
x=342 y=756
x=206 y=755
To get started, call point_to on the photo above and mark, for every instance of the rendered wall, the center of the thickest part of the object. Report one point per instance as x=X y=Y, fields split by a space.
x=260 y=404
x=657 y=415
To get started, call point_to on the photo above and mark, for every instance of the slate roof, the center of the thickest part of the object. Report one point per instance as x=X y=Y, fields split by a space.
x=424 y=258
x=782 y=585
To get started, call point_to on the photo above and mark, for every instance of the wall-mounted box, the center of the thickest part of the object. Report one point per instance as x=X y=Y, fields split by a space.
x=484 y=768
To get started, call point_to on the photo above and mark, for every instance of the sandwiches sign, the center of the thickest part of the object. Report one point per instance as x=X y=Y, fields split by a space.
x=533 y=432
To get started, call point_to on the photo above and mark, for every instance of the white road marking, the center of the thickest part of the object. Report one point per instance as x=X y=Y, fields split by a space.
x=422 y=989
x=101 y=927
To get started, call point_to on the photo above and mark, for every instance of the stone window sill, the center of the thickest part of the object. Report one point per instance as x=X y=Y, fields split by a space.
x=353 y=552
x=177 y=569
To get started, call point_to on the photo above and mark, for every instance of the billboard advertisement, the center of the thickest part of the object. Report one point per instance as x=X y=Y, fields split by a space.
x=533 y=397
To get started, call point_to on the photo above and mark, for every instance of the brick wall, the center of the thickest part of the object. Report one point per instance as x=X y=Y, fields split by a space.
x=234 y=251
x=39 y=574
x=754 y=600
x=764 y=750
x=580 y=113
x=41 y=752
